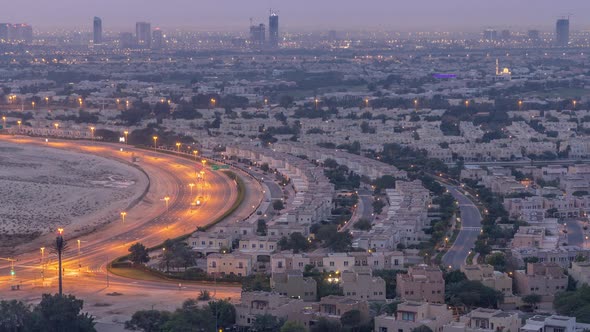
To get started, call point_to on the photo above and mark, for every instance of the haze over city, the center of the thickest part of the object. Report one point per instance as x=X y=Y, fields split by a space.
x=455 y=15
x=295 y=166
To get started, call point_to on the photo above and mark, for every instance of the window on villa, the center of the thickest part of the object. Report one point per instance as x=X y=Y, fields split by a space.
x=345 y=263
x=408 y=316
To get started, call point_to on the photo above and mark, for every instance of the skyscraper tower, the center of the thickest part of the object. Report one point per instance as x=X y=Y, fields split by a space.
x=97 y=31
x=273 y=30
x=562 y=32
x=143 y=34
x=158 y=37
x=258 y=35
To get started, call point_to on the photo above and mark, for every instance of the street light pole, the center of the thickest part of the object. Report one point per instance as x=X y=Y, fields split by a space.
x=155 y=142
x=59 y=246
x=126 y=133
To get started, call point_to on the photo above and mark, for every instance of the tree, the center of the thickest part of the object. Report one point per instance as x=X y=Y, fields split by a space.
x=147 y=320
x=14 y=315
x=351 y=319
x=422 y=328
x=57 y=313
x=291 y=326
x=574 y=303
x=532 y=299
x=224 y=311
x=472 y=294
x=378 y=205
x=138 y=254
x=266 y=322
x=296 y=242
x=204 y=295
x=278 y=205
x=454 y=276
x=186 y=318
x=497 y=260
x=323 y=325
x=363 y=224
x=258 y=282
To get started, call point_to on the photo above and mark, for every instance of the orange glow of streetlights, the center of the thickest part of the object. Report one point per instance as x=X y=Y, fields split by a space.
x=92 y=131
x=80 y=101
x=19 y=123
x=56 y=125
x=123 y=215
x=166 y=199
x=155 y=142
x=191 y=185
x=4 y=122
x=195 y=152
x=60 y=231
x=125 y=133
x=467 y=103
x=203 y=161
x=47 y=100
x=33 y=104
x=178 y=146
x=574 y=102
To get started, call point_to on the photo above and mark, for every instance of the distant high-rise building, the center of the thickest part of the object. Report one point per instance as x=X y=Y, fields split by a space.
x=158 y=39
x=20 y=33
x=273 y=30
x=126 y=40
x=97 y=31
x=490 y=35
x=534 y=35
x=562 y=32
x=258 y=35
x=505 y=34
x=332 y=35
x=143 y=34
x=4 y=27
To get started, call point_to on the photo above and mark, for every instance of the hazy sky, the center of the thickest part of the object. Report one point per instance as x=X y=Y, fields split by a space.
x=296 y=14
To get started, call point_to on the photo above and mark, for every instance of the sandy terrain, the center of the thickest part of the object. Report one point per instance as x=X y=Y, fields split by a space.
x=42 y=189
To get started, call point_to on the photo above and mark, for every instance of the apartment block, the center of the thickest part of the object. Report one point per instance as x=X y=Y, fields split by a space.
x=293 y=284
x=411 y=315
x=421 y=283
x=363 y=286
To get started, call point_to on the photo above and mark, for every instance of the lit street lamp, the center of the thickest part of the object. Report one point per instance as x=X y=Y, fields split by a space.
x=123 y=215
x=56 y=125
x=42 y=262
x=166 y=199
x=195 y=152
x=92 y=132
x=178 y=146
x=155 y=142
x=191 y=185
x=4 y=121
x=19 y=122
x=126 y=133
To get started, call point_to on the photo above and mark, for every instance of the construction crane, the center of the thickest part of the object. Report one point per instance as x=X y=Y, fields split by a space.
x=11 y=260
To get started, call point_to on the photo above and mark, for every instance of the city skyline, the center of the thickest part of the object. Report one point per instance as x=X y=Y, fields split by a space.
x=452 y=15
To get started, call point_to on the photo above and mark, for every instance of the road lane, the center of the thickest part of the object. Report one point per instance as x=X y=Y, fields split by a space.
x=470 y=230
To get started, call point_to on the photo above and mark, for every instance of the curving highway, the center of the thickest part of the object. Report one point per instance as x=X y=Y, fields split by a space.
x=150 y=222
